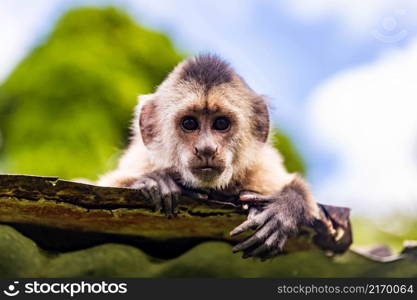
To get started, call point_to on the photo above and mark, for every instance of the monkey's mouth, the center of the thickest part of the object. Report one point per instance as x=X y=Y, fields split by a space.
x=207 y=172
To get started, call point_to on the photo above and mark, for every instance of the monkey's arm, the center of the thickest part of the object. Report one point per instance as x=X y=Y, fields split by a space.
x=132 y=165
x=275 y=218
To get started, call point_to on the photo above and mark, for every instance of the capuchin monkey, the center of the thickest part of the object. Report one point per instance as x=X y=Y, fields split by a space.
x=205 y=129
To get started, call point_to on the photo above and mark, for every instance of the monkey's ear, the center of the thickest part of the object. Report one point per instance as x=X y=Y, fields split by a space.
x=260 y=119
x=148 y=119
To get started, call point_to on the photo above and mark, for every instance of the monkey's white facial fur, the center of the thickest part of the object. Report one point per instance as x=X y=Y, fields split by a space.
x=204 y=122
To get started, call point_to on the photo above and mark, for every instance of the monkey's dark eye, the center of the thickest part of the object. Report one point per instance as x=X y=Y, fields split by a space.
x=221 y=123
x=189 y=123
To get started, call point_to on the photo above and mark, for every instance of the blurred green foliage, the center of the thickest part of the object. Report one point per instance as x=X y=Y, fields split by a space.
x=392 y=231
x=65 y=109
x=21 y=257
x=292 y=159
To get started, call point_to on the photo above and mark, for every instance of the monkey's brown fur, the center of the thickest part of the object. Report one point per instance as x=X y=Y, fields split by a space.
x=240 y=158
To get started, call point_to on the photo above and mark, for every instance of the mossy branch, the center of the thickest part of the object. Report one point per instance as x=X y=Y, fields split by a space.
x=66 y=215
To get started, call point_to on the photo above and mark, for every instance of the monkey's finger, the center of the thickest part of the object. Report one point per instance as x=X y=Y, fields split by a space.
x=263 y=248
x=194 y=195
x=167 y=203
x=141 y=187
x=275 y=250
x=156 y=197
x=246 y=244
x=146 y=194
x=175 y=193
x=175 y=200
x=256 y=238
x=253 y=211
x=254 y=221
x=283 y=239
x=248 y=224
x=255 y=198
x=165 y=196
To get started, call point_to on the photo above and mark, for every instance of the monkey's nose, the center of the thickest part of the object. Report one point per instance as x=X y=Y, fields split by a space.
x=205 y=152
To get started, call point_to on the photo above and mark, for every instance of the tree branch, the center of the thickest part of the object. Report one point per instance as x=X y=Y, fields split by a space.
x=66 y=215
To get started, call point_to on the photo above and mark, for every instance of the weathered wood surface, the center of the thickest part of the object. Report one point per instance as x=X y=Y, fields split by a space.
x=65 y=215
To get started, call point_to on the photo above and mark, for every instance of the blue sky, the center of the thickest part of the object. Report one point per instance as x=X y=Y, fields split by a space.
x=286 y=50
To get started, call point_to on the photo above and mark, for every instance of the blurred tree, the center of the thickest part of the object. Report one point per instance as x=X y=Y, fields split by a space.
x=67 y=106
x=292 y=159
x=65 y=109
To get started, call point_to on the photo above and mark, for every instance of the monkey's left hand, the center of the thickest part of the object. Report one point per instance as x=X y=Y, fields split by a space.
x=275 y=218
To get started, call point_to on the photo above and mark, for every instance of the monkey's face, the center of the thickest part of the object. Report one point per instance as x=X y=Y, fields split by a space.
x=206 y=142
x=205 y=123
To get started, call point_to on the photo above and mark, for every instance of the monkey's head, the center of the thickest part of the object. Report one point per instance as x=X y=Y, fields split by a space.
x=204 y=122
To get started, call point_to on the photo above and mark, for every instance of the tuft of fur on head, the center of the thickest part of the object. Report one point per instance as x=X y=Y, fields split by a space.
x=203 y=80
x=207 y=71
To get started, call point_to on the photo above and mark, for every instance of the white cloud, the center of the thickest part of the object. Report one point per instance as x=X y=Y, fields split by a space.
x=368 y=116
x=378 y=17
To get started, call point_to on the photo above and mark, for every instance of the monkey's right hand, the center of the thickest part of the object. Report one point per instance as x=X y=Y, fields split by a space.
x=163 y=191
